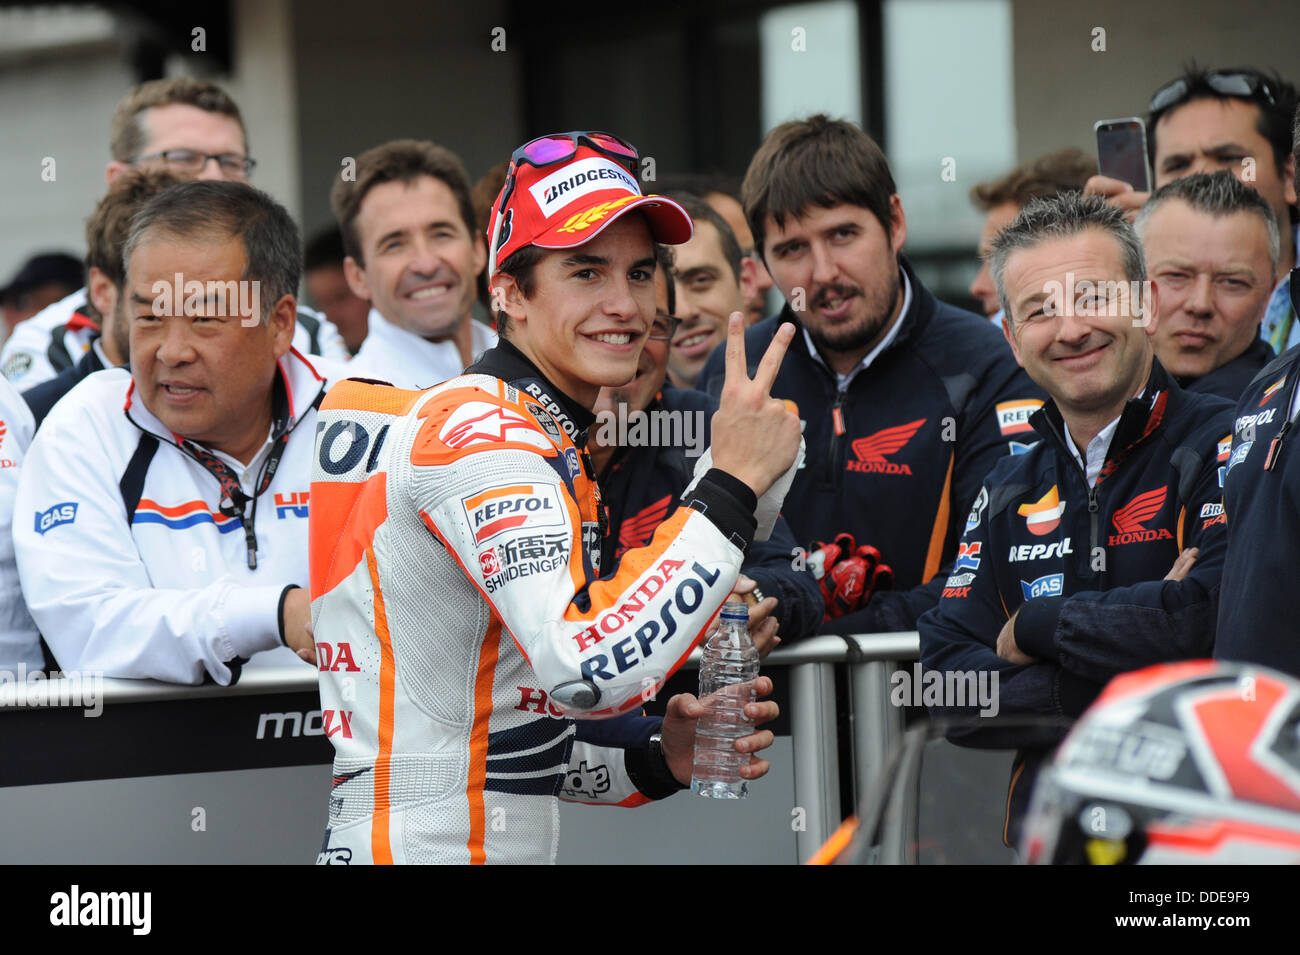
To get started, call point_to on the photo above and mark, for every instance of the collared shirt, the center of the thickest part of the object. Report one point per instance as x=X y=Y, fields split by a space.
x=393 y=354
x=247 y=472
x=842 y=381
x=1097 y=448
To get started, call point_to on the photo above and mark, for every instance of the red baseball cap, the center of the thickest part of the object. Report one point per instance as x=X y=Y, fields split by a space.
x=570 y=202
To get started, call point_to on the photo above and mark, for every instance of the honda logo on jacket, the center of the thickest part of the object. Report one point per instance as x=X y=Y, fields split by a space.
x=1128 y=520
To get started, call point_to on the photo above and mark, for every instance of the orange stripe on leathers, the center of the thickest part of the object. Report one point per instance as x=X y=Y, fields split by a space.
x=478 y=740
x=342 y=526
x=381 y=849
x=940 y=533
x=360 y=396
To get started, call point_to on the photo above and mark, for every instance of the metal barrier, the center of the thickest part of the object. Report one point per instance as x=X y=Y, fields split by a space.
x=268 y=731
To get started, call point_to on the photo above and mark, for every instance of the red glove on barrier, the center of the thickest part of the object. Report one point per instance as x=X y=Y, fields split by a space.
x=848 y=574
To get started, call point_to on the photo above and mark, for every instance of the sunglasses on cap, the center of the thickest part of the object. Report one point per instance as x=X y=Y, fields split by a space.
x=1227 y=83
x=561 y=147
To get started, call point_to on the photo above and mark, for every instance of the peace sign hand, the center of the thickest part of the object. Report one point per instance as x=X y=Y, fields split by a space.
x=755 y=436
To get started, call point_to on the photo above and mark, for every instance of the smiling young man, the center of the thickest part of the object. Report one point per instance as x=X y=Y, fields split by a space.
x=1211 y=246
x=192 y=129
x=163 y=529
x=461 y=610
x=412 y=250
x=907 y=402
x=644 y=447
x=1100 y=549
x=706 y=278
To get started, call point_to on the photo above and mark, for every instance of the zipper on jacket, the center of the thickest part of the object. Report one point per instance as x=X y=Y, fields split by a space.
x=1093 y=509
x=837 y=431
x=1275 y=446
x=1093 y=506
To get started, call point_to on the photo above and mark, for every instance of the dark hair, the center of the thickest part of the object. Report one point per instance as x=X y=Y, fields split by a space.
x=817 y=161
x=664 y=260
x=699 y=210
x=1274 y=122
x=127 y=137
x=1216 y=194
x=402 y=160
x=484 y=196
x=212 y=210
x=110 y=224
x=1295 y=147
x=1062 y=216
x=325 y=248
x=1061 y=171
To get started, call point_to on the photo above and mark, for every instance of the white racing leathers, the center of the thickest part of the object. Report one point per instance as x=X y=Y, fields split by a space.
x=131 y=566
x=57 y=336
x=460 y=621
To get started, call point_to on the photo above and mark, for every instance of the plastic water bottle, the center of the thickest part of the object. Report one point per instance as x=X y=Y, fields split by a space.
x=727 y=675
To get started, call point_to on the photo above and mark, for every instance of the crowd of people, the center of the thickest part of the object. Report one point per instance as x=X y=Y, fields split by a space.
x=523 y=402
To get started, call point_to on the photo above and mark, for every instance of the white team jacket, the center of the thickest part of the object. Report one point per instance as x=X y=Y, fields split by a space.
x=19 y=639
x=36 y=350
x=167 y=592
x=390 y=353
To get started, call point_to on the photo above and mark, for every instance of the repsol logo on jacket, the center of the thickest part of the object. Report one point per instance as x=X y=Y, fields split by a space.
x=1040 y=551
x=655 y=604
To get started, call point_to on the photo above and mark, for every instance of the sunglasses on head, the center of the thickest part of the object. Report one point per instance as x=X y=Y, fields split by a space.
x=561 y=147
x=1230 y=83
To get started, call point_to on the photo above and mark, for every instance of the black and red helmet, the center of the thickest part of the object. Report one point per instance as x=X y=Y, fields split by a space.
x=1194 y=762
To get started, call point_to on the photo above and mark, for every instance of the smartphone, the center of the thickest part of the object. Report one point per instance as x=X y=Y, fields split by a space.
x=1122 y=151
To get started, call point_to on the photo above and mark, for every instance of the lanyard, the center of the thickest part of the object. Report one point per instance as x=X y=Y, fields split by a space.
x=234 y=501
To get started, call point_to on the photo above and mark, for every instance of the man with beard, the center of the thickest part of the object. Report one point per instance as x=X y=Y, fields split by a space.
x=413 y=251
x=906 y=402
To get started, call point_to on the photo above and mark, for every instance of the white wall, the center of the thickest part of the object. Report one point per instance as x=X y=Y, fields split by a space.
x=58 y=107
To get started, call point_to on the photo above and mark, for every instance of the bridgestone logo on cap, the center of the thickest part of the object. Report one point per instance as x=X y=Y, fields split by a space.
x=577 y=179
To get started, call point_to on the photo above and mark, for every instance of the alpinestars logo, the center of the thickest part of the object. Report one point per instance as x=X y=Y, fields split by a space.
x=872 y=451
x=1128 y=520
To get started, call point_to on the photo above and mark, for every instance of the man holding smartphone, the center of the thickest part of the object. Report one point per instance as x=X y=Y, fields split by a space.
x=1238 y=120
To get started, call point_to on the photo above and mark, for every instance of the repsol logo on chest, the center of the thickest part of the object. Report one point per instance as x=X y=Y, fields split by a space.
x=1254 y=420
x=651 y=596
x=1040 y=551
x=553 y=406
x=345 y=444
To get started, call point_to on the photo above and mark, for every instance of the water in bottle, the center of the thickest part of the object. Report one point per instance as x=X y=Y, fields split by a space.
x=727 y=675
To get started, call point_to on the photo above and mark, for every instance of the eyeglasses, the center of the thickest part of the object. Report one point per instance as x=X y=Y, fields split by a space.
x=664 y=327
x=560 y=147
x=1238 y=84
x=191 y=161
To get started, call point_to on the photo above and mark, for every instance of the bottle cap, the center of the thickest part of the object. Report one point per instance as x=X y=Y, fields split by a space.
x=734 y=610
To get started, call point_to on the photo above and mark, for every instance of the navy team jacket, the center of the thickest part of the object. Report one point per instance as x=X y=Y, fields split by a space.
x=1085 y=566
x=896 y=456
